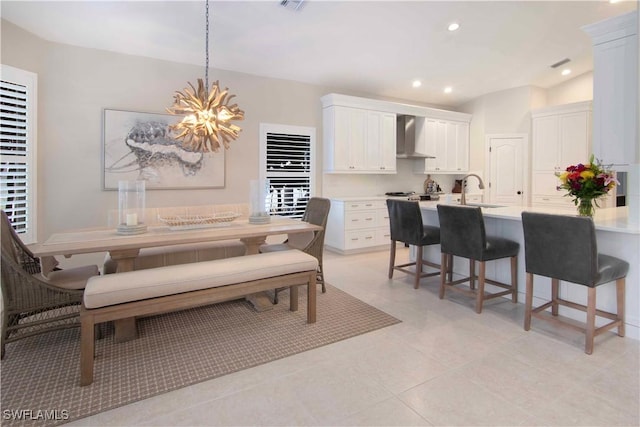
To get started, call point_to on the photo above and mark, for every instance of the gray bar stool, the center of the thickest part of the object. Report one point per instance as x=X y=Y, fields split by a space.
x=462 y=233
x=406 y=224
x=565 y=248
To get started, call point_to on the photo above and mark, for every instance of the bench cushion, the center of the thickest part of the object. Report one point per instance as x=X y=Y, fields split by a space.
x=180 y=254
x=102 y=291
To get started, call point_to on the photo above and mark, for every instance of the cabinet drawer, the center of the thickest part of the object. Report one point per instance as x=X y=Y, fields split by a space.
x=383 y=217
x=364 y=205
x=559 y=201
x=360 y=239
x=383 y=236
x=360 y=219
x=470 y=198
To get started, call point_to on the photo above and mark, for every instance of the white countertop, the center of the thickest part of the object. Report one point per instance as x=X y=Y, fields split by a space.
x=609 y=219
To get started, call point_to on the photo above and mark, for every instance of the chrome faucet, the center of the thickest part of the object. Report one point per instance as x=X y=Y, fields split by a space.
x=463 y=199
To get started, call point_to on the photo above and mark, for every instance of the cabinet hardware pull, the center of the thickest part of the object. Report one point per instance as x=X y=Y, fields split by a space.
x=368 y=237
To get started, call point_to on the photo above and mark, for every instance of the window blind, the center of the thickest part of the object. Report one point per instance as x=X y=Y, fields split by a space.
x=16 y=151
x=288 y=166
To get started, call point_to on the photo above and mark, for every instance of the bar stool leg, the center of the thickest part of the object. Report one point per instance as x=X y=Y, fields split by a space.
x=620 y=297
x=555 y=285
x=443 y=273
x=392 y=258
x=418 y=266
x=480 y=294
x=514 y=279
x=528 y=302
x=472 y=274
x=591 y=320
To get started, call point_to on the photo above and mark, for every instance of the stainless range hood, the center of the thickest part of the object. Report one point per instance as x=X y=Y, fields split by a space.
x=406 y=139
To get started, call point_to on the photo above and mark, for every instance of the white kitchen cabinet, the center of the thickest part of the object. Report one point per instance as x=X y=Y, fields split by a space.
x=380 y=146
x=357 y=225
x=447 y=141
x=357 y=140
x=561 y=137
x=615 y=90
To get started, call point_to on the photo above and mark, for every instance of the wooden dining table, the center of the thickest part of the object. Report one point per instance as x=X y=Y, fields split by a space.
x=125 y=248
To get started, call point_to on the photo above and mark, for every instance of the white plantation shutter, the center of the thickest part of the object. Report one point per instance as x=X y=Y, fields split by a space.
x=287 y=162
x=17 y=149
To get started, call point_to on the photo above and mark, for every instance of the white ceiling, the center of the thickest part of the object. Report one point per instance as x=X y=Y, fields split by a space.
x=373 y=48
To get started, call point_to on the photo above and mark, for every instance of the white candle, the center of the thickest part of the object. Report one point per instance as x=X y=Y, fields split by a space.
x=132 y=219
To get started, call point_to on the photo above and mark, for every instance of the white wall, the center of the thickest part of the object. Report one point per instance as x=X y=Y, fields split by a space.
x=579 y=88
x=76 y=84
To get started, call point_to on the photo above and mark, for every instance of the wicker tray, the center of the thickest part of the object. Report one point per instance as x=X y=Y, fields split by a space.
x=198 y=220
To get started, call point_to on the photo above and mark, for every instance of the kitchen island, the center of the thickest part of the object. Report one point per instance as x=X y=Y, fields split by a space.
x=617 y=235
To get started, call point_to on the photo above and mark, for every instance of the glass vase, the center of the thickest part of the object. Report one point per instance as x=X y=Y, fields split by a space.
x=131 y=207
x=586 y=208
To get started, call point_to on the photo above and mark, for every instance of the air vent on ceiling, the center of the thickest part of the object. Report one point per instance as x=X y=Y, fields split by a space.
x=559 y=63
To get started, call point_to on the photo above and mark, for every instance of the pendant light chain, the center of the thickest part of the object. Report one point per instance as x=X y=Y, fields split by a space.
x=207 y=113
x=206 y=71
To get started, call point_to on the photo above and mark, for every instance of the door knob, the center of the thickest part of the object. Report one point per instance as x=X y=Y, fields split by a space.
x=519 y=192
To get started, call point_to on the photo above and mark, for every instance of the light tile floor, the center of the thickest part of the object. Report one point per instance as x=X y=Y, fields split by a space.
x=443 y=365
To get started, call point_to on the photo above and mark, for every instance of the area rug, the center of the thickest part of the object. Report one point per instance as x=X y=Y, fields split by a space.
x=41 y=375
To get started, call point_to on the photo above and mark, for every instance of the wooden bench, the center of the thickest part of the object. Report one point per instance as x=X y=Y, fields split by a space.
x=120 y=296
x=180 y=254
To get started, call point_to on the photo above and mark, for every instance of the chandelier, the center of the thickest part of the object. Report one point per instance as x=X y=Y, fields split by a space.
x=206 y=125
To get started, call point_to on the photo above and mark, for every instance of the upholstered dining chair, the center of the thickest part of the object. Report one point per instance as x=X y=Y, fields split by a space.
x=35 y=303
x=316 y=213
x=462 y=234
x=565 y=248
x=407 y=227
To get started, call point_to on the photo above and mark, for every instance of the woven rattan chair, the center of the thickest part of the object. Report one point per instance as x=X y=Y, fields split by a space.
x=33 y=303
x=316 y=213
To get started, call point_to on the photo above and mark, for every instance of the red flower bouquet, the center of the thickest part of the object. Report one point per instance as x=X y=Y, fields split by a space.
x=586 y=183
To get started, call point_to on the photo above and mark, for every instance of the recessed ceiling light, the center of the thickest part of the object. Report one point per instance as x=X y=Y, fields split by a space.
x=416 y=83
x=566 y=72
x=448 y=89
x=453 y=26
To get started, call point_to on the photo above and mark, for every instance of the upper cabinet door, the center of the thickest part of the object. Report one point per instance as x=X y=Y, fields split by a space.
x=345 y=132
x=546 y=139
x=388 y=142
x=358 y=140
x=615 y=90
x=575 y=137
x=462 y=147
x=380 y=152
x=448 y=141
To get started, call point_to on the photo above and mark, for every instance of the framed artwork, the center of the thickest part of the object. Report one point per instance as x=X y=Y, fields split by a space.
x=140 y=146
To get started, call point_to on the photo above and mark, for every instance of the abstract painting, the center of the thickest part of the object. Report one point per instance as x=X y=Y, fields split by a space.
x=140 y=146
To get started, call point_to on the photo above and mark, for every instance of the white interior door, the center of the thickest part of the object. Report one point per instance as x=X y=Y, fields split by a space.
x=507 y=163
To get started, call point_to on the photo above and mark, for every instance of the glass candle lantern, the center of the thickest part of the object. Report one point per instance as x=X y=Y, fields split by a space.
x=259 y=192
x=131 y=207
